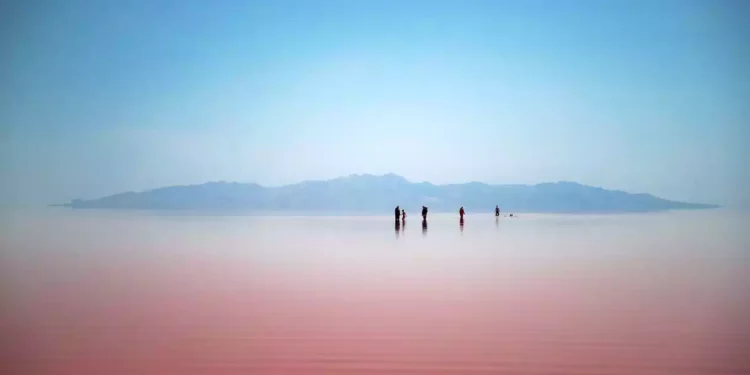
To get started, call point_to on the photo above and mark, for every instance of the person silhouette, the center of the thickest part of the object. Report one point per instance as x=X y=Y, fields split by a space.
x=397 y=212
x=424 y=213
x=461 y=213
x=403 y=216
x=497 y=210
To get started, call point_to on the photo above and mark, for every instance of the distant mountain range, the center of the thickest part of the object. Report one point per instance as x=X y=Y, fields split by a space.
x=370 y=194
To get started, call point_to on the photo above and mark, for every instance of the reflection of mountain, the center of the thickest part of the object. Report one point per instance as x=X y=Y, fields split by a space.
x=368 y=193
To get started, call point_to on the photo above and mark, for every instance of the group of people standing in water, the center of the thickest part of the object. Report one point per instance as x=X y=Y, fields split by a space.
x=400 y=214
x=400 y=217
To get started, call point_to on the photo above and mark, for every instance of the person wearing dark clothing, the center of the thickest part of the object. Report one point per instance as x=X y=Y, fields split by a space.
x=497 y=210
x=403 y=215
x=461 y=213
x=397 y=212
x=424 y=213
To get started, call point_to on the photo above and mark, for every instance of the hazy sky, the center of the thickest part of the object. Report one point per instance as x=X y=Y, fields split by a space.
x=99 y=97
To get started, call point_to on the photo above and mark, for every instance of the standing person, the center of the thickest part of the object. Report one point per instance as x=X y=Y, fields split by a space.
x=424 y=213
x=461 y=213
x=403 y=215
x=397 y=212
x=497 y=210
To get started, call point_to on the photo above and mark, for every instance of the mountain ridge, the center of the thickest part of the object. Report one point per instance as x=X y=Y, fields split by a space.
x=373 y=193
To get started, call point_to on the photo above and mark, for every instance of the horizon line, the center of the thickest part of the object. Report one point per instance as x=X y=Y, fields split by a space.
x=389 y=174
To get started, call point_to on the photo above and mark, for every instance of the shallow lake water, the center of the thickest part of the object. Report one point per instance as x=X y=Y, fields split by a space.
x=104 y=292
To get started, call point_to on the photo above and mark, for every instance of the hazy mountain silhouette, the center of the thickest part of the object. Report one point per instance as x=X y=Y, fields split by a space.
x=369 y=193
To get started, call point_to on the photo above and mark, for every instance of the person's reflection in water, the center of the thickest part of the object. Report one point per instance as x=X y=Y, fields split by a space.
x=398 y=229
x=497 y=222
x=461 y=223
x=424 y=227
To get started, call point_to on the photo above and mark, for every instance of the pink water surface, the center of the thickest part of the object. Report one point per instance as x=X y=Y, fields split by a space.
x=140 y=294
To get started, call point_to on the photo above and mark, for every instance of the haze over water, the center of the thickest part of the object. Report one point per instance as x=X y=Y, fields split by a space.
x=88 y=292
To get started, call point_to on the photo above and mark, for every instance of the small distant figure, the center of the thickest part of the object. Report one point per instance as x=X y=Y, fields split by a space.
x=511 y=215
x=403 y=216
x=424 y=213
x=497 y=210
x=397 y=213
x=461 y=213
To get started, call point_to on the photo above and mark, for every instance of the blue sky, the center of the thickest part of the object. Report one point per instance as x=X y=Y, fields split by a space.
x=100 y=97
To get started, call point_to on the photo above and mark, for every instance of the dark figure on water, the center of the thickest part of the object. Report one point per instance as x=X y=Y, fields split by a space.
x=461 y=213
x=424 y=213
x=397 y=212
x=497 y=210
x=403 y=216
x=424 y=227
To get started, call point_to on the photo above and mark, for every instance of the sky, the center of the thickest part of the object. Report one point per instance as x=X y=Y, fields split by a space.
x=99 y=97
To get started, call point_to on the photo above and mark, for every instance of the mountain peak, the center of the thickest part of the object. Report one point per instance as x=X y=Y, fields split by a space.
x=372 y=177
x=395 y=177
